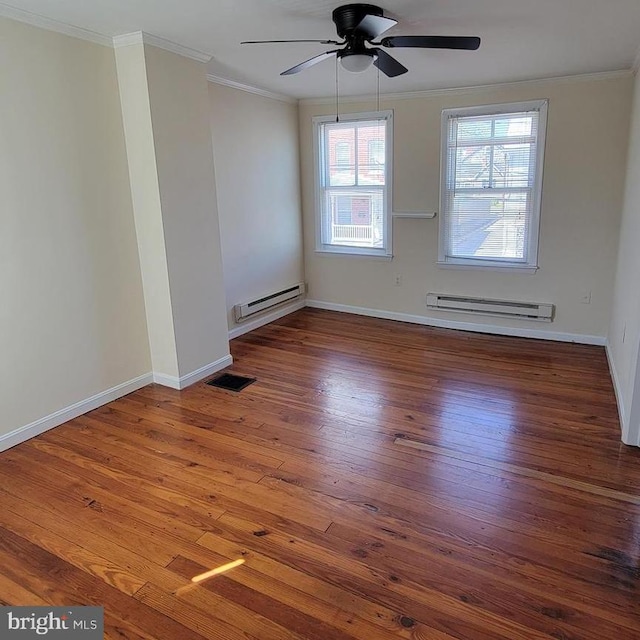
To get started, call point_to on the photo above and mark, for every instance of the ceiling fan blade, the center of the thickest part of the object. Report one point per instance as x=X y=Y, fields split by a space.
x=470 y=43
x=388 y=64
x=283 y=41
x=374 y=26
x=309 y=63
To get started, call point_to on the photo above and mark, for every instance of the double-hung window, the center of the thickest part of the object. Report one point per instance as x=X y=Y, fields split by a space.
x=492 y=160
x=353 y=183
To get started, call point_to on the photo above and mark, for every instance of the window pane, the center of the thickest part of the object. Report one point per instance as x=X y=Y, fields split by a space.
x=513 y=127
x=489 y=225
x=355 y=154
x=340 y=155
x=474 y=128
x=343 y=153
x=371 y=154
x=494 y=166
x=473 y=167
x=481 y=128
x=512 y=166
x=355 y=217
x=376 y=152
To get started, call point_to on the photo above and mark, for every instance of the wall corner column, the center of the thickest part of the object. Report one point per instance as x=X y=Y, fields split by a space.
x=164 y=100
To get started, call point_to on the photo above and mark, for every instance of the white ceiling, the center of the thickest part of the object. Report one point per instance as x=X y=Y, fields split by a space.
x=521 y=39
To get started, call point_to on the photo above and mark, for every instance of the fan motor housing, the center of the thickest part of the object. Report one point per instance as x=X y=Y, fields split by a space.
x=348 y=17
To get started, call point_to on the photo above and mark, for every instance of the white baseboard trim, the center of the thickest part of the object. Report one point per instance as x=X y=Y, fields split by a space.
x=285 y=310
x=618 y=391
x=29 y=431
x=630 y=431
x=193 y=377
x=463 y=326
x=166 y=381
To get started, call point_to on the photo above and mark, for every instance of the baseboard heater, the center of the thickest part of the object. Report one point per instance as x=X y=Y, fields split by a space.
x=245 y=310
x=504 y=308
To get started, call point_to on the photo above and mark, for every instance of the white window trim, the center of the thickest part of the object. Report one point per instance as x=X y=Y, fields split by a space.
x=532 y=250
x=385 y=252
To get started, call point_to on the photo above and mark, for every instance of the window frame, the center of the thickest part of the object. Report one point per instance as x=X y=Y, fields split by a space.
x=319 y=176
x=531 y=264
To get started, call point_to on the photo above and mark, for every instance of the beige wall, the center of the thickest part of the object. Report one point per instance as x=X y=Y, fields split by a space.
x=72 y=321
x=147 y=207
x=255 y=146
x=179 y=100
x=624 y=334
x=165 y=106
x=582 y=195
x=72 y=318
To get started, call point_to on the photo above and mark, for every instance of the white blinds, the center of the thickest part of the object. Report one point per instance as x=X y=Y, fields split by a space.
x=490 y=185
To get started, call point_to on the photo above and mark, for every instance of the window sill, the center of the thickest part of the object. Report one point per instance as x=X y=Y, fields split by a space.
x=492 y=266
x=354 y=254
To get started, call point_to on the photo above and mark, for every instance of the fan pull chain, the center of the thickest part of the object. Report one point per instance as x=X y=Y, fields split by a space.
x=378 y=94
x=337 y=93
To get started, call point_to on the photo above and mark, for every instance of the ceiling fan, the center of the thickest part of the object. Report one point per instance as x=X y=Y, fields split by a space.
x=359 y=25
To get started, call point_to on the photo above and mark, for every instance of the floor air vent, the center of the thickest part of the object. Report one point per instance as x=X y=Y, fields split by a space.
x=484 y=306
x=231 y=382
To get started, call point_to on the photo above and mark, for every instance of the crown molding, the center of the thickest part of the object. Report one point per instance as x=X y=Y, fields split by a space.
x=37 y=20
x=250 y=89
x=138 y=37
x=141 y=37
x=430 y=93
x=174 y=47
x=127 y=39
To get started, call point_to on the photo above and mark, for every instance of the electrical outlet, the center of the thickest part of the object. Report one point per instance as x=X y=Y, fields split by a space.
x=585 y=297
x=398 y=281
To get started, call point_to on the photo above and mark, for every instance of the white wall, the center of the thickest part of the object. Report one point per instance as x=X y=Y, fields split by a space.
x=582 y=198
x=72 y=320
x=624 y=333
x=255 y=146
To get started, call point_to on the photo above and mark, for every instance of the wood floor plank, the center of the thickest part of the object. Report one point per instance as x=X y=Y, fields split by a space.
x=349 y=611
x=418 y=603
x=476 y=564
x=62 y=584
x=533 y=473
x=379 y=479
x=14 y=594
x=204 y=621
x=201 y=601
x=494 y=567
x=101 y=567
x=577 y=553
x=491 y=592
x=471 y=482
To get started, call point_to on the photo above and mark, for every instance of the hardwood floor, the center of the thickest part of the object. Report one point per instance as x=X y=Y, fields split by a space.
x=379 y=480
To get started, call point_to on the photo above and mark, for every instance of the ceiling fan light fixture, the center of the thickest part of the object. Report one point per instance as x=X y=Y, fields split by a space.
x=360 y=26
x=356 y=62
